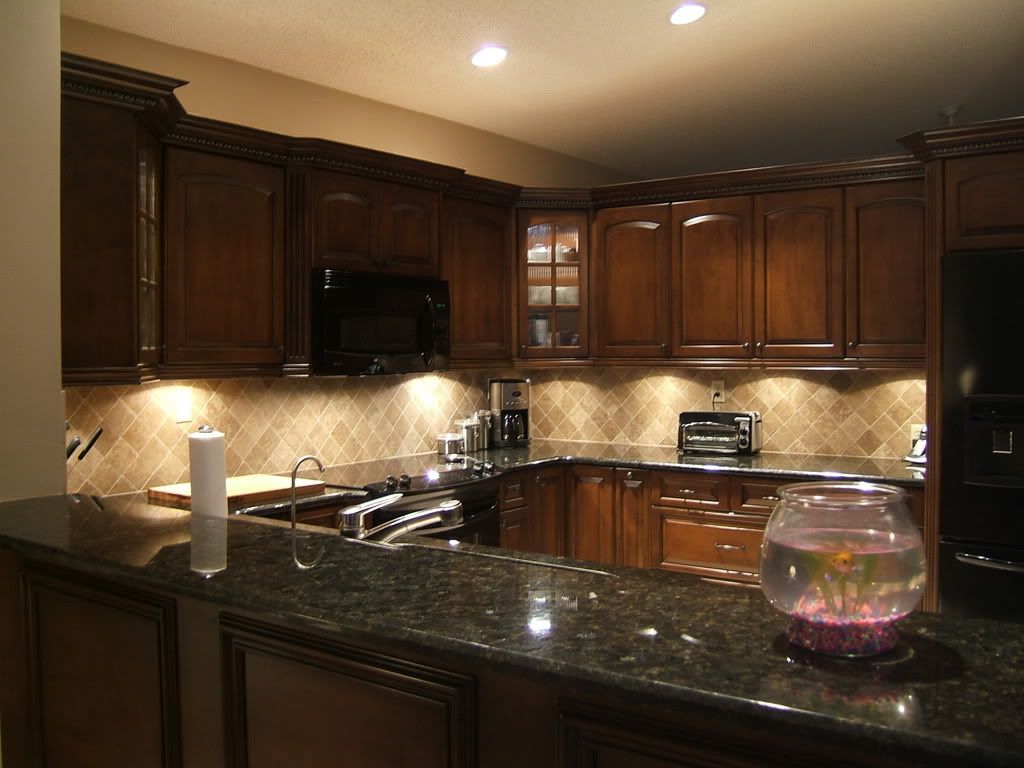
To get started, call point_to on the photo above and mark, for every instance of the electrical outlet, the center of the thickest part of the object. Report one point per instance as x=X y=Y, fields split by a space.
x=718 y=393
x=915 y=431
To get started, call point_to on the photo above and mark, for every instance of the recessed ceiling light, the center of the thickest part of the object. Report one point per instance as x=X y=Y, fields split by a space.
x=489 y=56
x=687 y=13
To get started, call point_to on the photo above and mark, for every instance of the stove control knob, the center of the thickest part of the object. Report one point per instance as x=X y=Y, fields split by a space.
x=404 y=481
x=390 y=482
x=489 y=467
x=477 y=470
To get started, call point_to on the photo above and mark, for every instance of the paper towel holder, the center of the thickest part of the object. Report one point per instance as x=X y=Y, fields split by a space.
x=295 y=547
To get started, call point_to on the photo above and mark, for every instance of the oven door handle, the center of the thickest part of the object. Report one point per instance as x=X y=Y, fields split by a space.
x=989 y=562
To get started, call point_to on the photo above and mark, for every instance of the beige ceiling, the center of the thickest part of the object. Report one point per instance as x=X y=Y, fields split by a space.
x=756 y=82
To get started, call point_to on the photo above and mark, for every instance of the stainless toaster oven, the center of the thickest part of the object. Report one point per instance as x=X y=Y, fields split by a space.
x=720 y=431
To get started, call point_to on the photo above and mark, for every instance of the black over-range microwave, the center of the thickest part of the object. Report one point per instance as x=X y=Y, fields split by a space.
x=376 y=324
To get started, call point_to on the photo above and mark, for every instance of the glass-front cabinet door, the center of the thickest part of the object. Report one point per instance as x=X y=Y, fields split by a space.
x=552 y=283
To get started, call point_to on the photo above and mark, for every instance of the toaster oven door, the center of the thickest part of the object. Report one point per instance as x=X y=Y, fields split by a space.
x=709 y=437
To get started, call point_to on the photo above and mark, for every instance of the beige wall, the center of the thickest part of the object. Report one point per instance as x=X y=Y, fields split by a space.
x=226 y=90
x=31 y=411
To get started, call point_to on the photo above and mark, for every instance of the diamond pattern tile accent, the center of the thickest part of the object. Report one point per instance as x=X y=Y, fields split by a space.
x=268 y=423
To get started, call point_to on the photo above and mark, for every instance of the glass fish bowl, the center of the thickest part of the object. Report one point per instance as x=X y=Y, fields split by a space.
x=845 y=561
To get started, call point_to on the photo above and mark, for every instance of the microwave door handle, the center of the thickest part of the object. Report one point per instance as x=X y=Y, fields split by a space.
x=428 y=356
x=989 y=562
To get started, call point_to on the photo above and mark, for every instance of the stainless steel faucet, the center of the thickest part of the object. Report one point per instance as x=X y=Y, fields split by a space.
x=295 y=549
x=353 y=519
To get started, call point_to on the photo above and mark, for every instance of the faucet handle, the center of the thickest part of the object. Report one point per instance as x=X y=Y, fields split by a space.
x=352 y=520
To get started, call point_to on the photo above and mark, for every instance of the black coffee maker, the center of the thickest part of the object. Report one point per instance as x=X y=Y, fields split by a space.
x=510 y=412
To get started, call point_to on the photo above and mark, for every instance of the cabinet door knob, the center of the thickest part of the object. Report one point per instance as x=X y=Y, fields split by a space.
x=760 y=346
x=629 y=475
x=850 y=345
x=522 y=348
x=746 y=345
x=664 y=348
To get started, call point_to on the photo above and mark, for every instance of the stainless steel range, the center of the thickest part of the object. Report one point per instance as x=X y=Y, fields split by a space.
x=426 y=482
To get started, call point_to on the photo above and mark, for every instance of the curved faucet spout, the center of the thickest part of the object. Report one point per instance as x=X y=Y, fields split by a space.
x=445 y=514
x=295 y=550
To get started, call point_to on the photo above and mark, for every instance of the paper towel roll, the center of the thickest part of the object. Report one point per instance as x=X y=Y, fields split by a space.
x=208 y=477
x=207 y=473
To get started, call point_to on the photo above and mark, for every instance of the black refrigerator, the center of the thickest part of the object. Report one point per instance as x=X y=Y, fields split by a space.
x=981 y=505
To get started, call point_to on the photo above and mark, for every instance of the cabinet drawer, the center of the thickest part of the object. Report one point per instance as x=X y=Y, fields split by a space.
x=756 y=495
x=686 y=542
x=513 y=492
x=690 y=490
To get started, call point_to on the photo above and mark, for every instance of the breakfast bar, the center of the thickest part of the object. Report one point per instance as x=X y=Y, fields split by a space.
x=438 y=653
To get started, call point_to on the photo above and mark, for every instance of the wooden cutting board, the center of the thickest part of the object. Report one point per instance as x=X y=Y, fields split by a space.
x=243 y=490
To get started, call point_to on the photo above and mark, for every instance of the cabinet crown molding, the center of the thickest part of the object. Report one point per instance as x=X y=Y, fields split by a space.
x=974 y=139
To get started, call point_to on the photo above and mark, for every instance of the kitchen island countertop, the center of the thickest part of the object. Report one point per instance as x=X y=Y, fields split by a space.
x=953 y=691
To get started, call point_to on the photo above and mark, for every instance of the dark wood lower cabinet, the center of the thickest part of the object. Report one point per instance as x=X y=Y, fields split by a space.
x=102 y=673
x=592 y=534
x=547 y=491
x=299 y=700
x=516 y=531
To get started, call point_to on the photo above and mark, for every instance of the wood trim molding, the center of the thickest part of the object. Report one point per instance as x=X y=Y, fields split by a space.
x=754 y=180
x=483 y=190
x=555 y=197
x=974 y=139
x=159 y=610
x=240 y=636
x=133 y=89
x=131 y=374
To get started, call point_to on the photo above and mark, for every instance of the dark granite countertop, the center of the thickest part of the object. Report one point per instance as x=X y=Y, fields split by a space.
x=952 y=692
x=546 y=452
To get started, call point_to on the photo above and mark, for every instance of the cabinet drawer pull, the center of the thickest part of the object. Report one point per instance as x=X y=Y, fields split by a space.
x=687 y=491
x=769 y=498
x=731 y=547
x=760 y=345
x=632 y=483
x=746 y=345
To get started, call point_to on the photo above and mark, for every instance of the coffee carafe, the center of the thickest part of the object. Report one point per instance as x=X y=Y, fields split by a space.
x=510 y=410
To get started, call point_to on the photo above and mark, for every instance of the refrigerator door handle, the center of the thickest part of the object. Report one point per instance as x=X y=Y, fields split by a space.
x=989 y=562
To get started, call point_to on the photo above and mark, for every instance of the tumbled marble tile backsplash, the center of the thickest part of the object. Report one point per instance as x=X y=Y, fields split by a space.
x=268 y=423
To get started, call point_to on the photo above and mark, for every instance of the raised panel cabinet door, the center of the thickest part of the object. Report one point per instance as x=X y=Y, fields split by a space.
x=346 y=222
x=475 y=260
x=553 y=272
x=592 y=534
x=305 y=701
x=985 y=202
x=98 y=186
x=712 y=278
x=225 y=260
x=632 y=500
x=515 y=530
x=798 y=276
x=548 y=503
x=885 y=257
x=630 y=281
x=410 y=229
x=103 y=673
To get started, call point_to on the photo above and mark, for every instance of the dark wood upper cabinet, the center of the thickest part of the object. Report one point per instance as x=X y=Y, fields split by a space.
x=225 y=261
x=592 y=529
x=410 y=229
x=110 y=220
x=712 y=278
x=476 y=262
x=553 y=261
x=629 y=282
x=346 y=221
x=798 y=277
x=366 y=225
x=984 y=202
x=885 y=258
